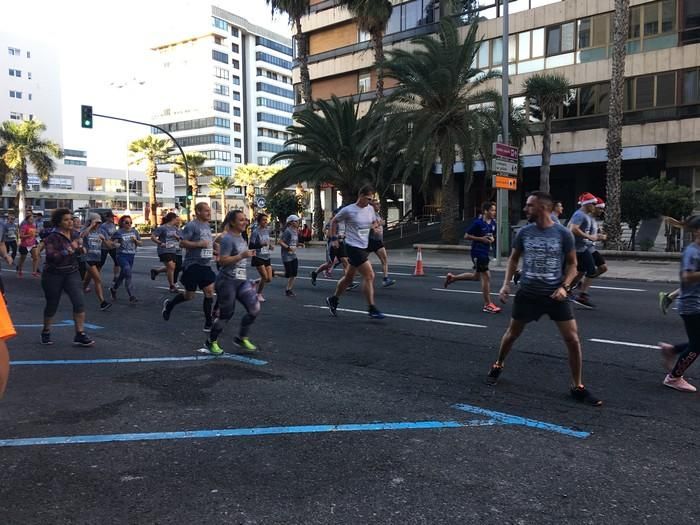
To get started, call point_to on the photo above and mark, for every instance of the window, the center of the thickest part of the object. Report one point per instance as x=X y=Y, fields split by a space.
x=29 y=54
x=222 y=171
x=691 y=87
x=275 y=104
x=560 y=39
x=221 y=89
x=363 y=36
x=13 y=51
x=272 y=148
x=72 y=162
x=237 y=158
x=236 y=112
x=235 y=48
x=217 y=155
x=198 y=140
x=218 y=40
x=274 y=119
x=271 y=59
x=236 y=143
x=236 y=80
x=266 y=42
x=644 y=94
x=29 y=96
x=236 y=95
x=652 y=26
x=220 y=72
x=665 y=89
x=16 y=116
x=219 y=56
x=652 y=91
x=364 y=83
x=29 y=75
x=236 y=127
x=691 y=21
x=235 y=63
x=15 y=73
x=524 y=46
x=15 y=94
x=269 y=88
x=234 y=31
x=221 y=24
x=222 y=106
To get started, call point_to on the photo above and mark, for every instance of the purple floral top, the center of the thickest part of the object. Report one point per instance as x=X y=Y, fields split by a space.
x=61 y=257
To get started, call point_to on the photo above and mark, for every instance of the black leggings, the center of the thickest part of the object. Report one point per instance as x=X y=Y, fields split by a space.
x=11 y=248
x=228 y=291
x=688 y=352
x=55 y=283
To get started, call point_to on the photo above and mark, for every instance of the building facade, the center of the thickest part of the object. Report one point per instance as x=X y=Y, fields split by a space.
x=661 y=135
x=227 y=93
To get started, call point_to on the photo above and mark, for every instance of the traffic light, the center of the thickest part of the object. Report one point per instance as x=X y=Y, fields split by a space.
x=86 y=116
x=190 y=192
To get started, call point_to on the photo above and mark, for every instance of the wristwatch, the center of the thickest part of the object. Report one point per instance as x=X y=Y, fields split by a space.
x=567 y=287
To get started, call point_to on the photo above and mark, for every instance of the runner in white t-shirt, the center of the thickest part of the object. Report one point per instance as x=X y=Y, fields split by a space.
x=359 y=219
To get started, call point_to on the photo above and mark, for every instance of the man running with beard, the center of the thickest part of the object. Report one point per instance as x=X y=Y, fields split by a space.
x=376 y=245
x=197 y=273
x=547 y=250
x=358 y=218
x=581 y=225
x=232 y=284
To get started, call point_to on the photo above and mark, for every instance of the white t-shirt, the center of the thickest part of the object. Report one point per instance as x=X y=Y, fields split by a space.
x=358 y=223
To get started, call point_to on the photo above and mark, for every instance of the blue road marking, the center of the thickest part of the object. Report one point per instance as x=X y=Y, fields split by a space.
x=243 y=432
x=234 y=357
x=61 y=324
x=509 y=419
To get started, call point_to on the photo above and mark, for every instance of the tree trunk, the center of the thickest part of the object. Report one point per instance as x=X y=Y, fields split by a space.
x=21 y=194
x=250 y=201
x=378 y=45
x=192 y=181
x=546 y=154
x=613 y=180
x=448 y=229
x=303 y=57
x=318 y=212
x=152 y=176
x=223 y=207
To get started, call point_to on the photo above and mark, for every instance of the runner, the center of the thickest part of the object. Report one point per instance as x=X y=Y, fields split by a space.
x=11 y=234
x=167 y=238
x=82 y=266
x=197 y=273
x=60 y=275
x=581 y=225
x=549 y=267
x=289 y=242
x=260 y=242
x=358 y=219
x=92 y=242
x=557 y=211
x=678 y=358
x=331 y=253
x=376 y=245
x=232 y=285
x=598 y=260
x=126 y=240
x=108 y=229
x=666 y=298
x=482 y=233
x=27 y=245
x=4 y=254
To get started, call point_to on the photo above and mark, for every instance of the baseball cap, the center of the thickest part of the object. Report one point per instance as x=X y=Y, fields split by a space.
x=292 y=218
x=587 y=198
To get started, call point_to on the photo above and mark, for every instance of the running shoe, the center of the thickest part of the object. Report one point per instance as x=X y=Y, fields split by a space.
x=494 y=373
x=133 y=300
x=314 y=275
x=449 y=279
x=583 y=300
x=668 y=356
x=261 y=298
x=104 y=305
x=113 y=293
x=207 y=326
x=491 y=309
x=166 y=310
x=154 y=274
x=173 y=289
x=289 y=293
x=375 y=314
x=36 y=274
x=332 y=303
x=583 y=395
x=82 y=339
x=352 y=286
x=679 y=383
x=388 y=282
x=516 y=277
x=46 y=338
x=665 y=302
x=213 y=347
x=328 y=275
x=245 y=344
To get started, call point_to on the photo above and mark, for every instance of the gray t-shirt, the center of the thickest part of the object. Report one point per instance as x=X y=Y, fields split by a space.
x=555 y=218
x=358 y=223
x=583 y=220
x=126 y=241
x=169 y=236
x=107 y=229
x=11 y=230
x=93 y=245
x=543 y=254
x=591 y=246
x=689 y=300
x=233 y=245
x=260 y=242
x=290 y=237
x=196 y=231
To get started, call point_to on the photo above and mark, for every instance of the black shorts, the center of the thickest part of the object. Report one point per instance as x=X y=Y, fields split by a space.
x=23 y=250
x=598 y=259
x=528 y=307
x=375 y=245
x=585 y=263
x=357 y=256
x=93 y=263
x=342 y=250
x=257 y=261
x=291 y=268
x=167 y=257
x=197 y=276
x=481 y=263
x=112 y=253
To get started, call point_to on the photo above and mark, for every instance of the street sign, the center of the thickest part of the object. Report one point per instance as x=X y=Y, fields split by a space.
x=505 y=183
x=505 y=151
x=260 y=202
x=500 y=165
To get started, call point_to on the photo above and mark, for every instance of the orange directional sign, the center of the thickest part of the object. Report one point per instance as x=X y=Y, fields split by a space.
x=505 y=183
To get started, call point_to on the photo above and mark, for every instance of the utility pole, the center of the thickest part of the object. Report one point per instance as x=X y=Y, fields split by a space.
x=502 y=239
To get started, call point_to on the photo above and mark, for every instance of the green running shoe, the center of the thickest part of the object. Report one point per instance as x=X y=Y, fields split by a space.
x=664 y=302
x=245 y=344
x=213 y=347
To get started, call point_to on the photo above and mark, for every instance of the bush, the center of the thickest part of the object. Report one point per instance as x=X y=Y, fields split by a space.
x=144 y=229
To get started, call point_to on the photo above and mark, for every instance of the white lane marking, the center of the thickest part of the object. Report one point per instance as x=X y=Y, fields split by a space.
x=454 y=291
x=618 y=289
x=407 y=317
x=624 y=343
x=340 y=269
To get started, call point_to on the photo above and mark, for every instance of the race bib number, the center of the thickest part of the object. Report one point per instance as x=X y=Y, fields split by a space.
x=171 y=243
x=207 y=253
x=264 y=251
x=240 y=273
x=363 y=233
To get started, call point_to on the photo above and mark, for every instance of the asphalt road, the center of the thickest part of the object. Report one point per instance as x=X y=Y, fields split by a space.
x=345 y=420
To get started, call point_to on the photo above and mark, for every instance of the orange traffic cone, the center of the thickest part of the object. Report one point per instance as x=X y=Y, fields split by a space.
x=418 y=272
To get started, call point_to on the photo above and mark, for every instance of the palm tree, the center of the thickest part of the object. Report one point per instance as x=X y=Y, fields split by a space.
x=372 y=16
x=222 y=185
x=20 y=145
x=546 y=93
x=252 y=176
x=151 y=150
x=326 y=146
x=613 y=184
x=444 y=103
x=195 y=164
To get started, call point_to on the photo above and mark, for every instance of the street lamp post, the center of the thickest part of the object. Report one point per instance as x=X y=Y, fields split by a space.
x=502 y=195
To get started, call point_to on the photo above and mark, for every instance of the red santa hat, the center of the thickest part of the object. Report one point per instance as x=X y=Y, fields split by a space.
x=599 y=203
x=587 y=198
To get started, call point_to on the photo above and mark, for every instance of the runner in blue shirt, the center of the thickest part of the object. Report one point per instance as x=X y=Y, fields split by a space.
x=482 y=233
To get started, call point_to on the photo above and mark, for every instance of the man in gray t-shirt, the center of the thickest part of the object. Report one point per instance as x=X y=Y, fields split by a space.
x=582 y=226
x=549 y=267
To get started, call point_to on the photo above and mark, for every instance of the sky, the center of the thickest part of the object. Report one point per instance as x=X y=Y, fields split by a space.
x=103 y=44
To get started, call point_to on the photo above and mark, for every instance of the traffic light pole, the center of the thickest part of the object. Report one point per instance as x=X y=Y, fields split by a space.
x=184 y=158
x=502 y=239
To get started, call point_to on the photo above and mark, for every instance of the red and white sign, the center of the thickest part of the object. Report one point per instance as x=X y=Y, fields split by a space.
x=505 y=151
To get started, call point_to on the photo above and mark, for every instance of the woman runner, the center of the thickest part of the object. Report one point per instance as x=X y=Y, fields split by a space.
x=232 y=285
x=93 y=240
x=260 y=242
x=28 y=245
x=167 y=237
x=126 y=239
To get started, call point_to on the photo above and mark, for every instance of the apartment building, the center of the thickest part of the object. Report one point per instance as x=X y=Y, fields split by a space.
x=227 y=92
x=661 y=135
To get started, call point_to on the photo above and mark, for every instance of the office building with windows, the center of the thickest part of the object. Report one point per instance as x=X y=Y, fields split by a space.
x=661 y=135
x=227 y=92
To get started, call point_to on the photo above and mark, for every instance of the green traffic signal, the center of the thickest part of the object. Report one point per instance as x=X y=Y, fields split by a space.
x=86 y=116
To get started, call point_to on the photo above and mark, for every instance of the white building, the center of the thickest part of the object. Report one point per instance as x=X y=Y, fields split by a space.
x=226 y=91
